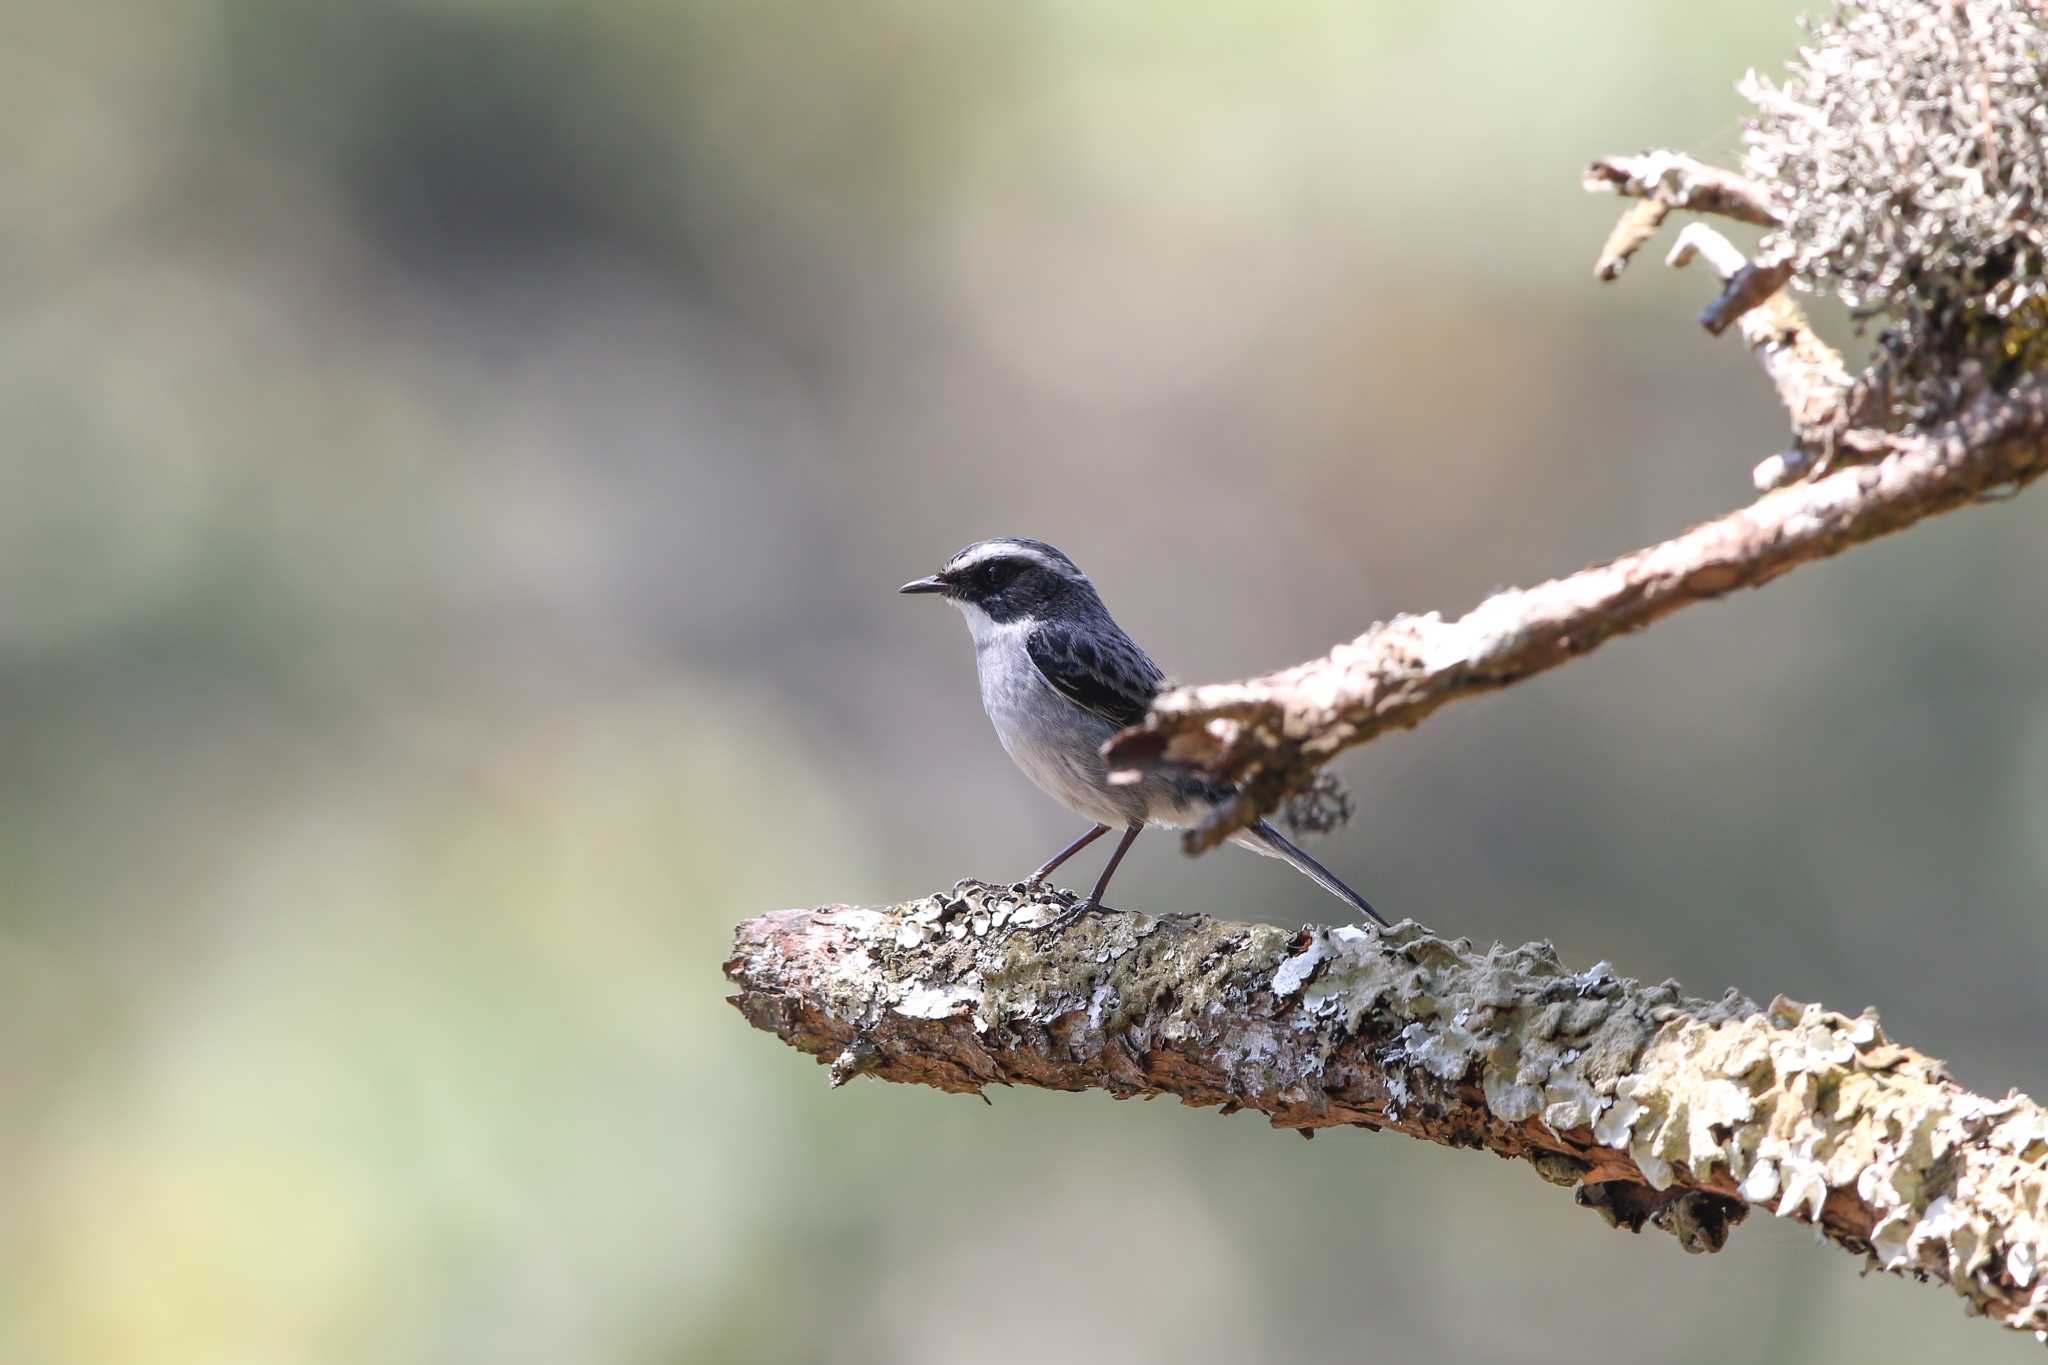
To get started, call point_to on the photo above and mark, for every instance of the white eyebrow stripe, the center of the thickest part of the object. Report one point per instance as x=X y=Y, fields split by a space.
x=1007 y=549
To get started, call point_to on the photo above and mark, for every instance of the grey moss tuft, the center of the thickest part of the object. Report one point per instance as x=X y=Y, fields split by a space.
x=1907 y=147
x=1323 y=805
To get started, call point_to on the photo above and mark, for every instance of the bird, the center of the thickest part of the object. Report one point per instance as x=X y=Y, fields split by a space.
x=1058 y=678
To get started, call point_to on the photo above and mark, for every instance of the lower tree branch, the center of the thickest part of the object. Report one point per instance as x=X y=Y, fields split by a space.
x=1270 y=733
x=1655 y=1108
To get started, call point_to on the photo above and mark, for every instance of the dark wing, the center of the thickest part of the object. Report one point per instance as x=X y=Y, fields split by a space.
x=1101 y=673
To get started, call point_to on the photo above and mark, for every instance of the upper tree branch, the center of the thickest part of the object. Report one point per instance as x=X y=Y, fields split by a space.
x=1654 y=1107
x=1271 y=732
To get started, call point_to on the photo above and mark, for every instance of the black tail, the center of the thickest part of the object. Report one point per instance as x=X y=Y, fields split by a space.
x=1316 y=872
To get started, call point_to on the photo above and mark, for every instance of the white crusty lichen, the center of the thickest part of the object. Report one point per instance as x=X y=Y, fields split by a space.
x=1798 y=1104
x=1542 y=1042
x=1657 y=1107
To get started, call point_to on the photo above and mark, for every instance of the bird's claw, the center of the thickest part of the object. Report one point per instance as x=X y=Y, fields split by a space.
x=1035 y=887
x=1061 y=922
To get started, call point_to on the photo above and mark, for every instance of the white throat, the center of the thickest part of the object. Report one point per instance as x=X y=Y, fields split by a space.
x=985 y=628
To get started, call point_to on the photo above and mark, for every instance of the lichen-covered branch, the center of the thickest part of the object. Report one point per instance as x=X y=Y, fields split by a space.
x=1655 y=1108
x=1270 y=733
x=1971 y=422
x=1905 y=147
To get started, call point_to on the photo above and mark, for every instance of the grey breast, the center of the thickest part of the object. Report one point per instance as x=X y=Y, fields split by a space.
x=1056 y=743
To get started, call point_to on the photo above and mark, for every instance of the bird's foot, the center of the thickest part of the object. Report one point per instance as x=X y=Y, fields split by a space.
x=1067 y=918
x=1038 y=888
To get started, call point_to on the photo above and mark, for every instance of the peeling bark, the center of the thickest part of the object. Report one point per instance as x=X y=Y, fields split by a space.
x=1271 y=733
x=1653 y=1107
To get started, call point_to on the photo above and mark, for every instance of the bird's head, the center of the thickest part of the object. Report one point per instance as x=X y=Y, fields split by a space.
x=1009 y=578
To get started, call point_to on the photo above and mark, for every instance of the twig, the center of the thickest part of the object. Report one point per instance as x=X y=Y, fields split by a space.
x=1651 y=1106
x=1829 y=410
x=1684 y=182
x=1751 y=286
x=1270 y=733
x=1666 y=180
x=1632 y=231
x=1808 y=374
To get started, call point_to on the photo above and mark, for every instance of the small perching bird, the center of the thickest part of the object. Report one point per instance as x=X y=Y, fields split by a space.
x=1058 y=678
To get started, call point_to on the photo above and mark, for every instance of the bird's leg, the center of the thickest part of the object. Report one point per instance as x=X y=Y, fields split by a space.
x=1032 y=882
x=1094 y=901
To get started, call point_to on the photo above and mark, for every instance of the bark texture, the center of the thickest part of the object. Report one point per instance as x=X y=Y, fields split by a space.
x=1270 y=733
x=1655 y=1108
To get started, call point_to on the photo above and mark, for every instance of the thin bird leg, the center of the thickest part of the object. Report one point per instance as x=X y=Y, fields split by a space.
x=1069 y=851
x=1094 y=901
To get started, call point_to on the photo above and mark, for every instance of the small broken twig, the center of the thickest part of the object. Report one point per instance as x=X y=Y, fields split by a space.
x=1809 y=375
x=1666 y=180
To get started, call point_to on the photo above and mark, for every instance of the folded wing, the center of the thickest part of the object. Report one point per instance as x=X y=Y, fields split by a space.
x=1106 y=675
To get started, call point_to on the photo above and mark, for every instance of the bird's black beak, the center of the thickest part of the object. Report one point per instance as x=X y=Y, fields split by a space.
x=932 y=584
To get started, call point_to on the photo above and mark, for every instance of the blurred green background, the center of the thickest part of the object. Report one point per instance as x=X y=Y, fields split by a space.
x=457 y=457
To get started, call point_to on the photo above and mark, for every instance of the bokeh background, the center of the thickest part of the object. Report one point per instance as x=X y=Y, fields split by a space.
x=456 y=459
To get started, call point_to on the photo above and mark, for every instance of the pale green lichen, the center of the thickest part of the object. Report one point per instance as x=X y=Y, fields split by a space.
x=1542 y=1040
x=1797 y=1102
x=1558 y=1169
x=1907 y=148
x=1661 y=1109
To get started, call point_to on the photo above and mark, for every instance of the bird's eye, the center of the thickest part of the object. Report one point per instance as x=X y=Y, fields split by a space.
x=992 y=575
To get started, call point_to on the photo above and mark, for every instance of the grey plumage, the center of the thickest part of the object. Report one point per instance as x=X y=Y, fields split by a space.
x=1058 y=678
